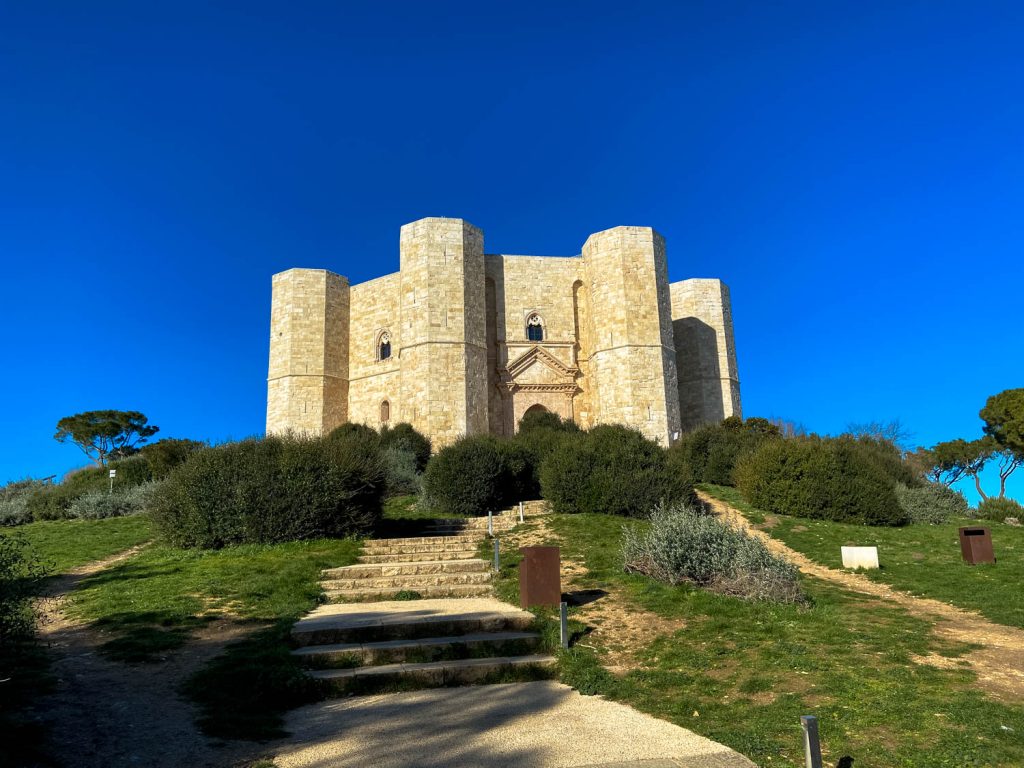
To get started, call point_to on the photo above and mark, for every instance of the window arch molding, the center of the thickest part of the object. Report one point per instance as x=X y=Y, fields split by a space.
x=534 y=327
x=382 y=345
x=385 y=411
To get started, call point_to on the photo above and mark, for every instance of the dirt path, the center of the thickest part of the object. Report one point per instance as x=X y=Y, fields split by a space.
x=110 y=714
x=999 y=664
x=620 y=627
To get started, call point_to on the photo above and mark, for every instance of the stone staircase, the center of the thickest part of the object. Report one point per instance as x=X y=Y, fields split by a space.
x=356 y=646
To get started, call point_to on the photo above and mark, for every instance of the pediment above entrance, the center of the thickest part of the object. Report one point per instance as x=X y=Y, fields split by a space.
x=538 y=370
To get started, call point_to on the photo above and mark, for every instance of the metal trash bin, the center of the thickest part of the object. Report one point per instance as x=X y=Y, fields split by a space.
x=976 y=545
x=540 y=577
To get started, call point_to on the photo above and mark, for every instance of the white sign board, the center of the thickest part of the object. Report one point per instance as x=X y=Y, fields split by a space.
x=860 y=557
x=113 y=473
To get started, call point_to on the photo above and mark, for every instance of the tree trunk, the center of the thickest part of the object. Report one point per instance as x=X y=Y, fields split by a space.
x=977 y=484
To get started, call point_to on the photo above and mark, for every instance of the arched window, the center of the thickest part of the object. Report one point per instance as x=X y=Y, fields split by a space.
x=384 y=346
x=534 y=328
x=385 y=411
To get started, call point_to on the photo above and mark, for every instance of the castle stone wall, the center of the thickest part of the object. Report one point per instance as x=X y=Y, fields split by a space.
x=620 y=345
x=443 y=352
x=308 y=377
x=709 y=387
x=377 y=306
x=634 y=353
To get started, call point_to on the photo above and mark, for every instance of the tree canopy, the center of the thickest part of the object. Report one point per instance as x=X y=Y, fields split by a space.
x=105 y=435
x=1003 y=415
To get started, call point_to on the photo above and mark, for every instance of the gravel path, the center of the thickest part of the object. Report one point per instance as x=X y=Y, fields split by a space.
x=999 y=664
x=516 y=725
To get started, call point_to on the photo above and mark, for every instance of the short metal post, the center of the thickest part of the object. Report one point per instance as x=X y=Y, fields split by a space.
x=563 y=610
x=490 y=523
x=812 y=748
x=497 y=554
x=520 y=511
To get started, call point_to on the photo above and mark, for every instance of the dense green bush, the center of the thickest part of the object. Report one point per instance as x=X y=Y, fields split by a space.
x=998 y=509
x=886 y=457
x=821 y=478
x=932 y=503
x=709 y=453
x=405 y=437
x=401 y=477
x=164 y=455
x=683 y=544
x=20 y=574
x=540 y=433
x=611 y=469
x=469 y=477
x=274 y=489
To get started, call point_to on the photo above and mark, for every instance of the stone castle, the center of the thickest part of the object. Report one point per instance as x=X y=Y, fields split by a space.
x=461 y=342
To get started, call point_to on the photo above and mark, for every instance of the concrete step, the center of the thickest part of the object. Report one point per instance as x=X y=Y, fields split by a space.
x=433 y=673
x=380 y=570
x=395 y=620
x=421 y=547
x=364 y=594
x=417 y=557
x=409 y=581
x=432 y=540
x=477 y=645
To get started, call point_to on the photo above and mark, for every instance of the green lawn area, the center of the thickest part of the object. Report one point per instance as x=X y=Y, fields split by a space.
x=743 y=673
x=65 y=544
x=920 y=559
x=153 y=601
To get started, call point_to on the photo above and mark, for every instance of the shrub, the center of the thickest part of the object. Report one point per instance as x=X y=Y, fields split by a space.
x=164 y=455
x=20 y=574
x=467 y=477
x=886 y=457
x=540 y=433
x=709 y=454
x=684 y=545
x=14 y=498
x=54 y=501
x=830 y=479
x=932 y=503
x=95 y=505
x=274 y=489
x=998 y=509
x=405 y=437
x=611 y=469
x=401 y=476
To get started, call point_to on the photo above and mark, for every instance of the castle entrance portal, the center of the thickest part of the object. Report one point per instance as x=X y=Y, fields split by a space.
x=537 y=379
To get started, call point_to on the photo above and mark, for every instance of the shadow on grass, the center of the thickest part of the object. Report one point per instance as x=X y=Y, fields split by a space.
x=244 y=692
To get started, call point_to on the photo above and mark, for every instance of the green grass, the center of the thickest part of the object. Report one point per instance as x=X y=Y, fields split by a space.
x=154 y=601
x=920 y=559
x=66 y=544
x=743 y=673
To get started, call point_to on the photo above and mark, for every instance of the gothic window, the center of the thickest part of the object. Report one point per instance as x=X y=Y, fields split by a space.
x=384 y=346
x=534 y=328
x=385 y=411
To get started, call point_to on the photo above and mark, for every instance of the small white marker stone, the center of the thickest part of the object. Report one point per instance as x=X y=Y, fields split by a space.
x=860 y=557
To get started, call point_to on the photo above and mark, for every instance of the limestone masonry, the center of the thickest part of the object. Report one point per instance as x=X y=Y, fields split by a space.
x=460 y=342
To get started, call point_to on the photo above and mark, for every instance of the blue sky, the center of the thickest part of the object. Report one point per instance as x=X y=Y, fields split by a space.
x=852 y=170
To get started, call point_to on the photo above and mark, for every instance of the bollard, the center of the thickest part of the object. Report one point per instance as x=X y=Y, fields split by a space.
x=497 y=556
x=812 y=748
x=490 y=523
x=563 y=609
x=520 y=511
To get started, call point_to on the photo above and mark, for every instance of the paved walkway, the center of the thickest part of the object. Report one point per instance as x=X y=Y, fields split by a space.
x=518 y=725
